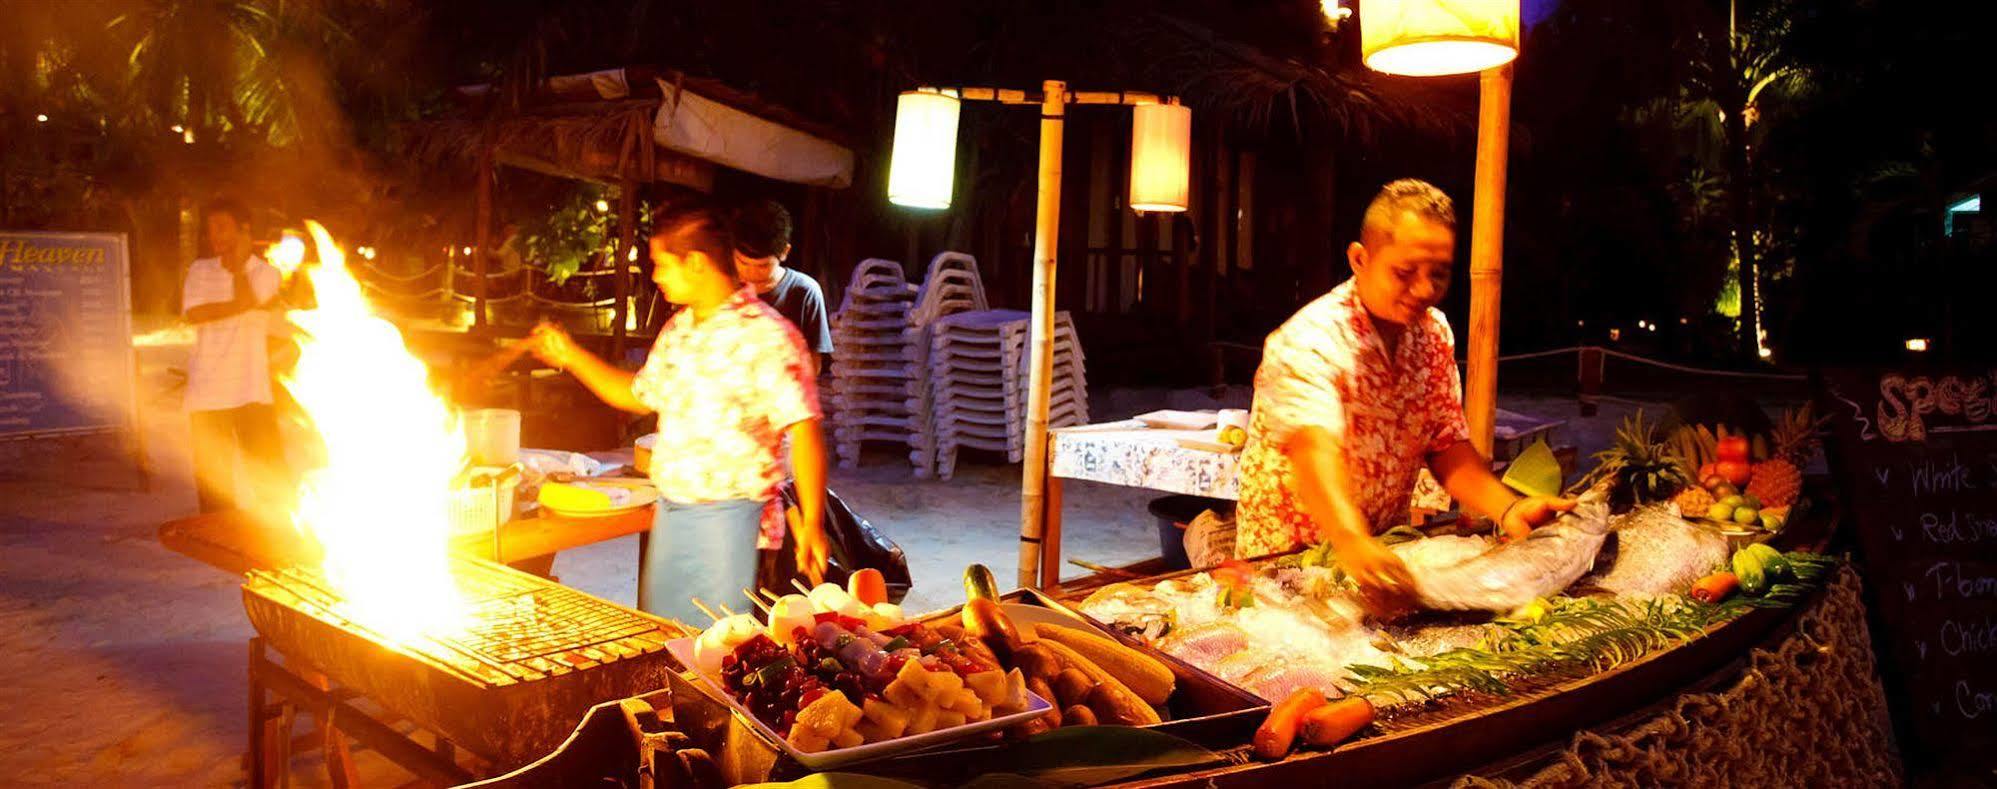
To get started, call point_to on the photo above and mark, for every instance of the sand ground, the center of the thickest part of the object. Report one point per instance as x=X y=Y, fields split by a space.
x=126 y=661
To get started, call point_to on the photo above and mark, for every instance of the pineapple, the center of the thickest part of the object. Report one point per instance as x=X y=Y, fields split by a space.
x=1778 y=481
x=1641 y=469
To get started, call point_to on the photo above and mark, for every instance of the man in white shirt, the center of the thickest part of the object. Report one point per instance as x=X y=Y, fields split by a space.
x=229 y=300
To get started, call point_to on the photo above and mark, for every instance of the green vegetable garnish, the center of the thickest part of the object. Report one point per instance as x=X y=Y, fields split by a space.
x=899 y=642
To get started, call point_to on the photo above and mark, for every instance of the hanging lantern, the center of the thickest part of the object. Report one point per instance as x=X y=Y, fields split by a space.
x=1161 y=140
x=1425 y=38
x=924 y=161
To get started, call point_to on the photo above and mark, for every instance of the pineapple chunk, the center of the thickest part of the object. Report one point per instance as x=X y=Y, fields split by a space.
x=827 y=716
x=944 y=685
x=904 y=695
x=965 y=702
x=989 y=685
x=848 y=739
x=806 y=740
x=871 y=731
x=922 y=721
x=983 y=713
x=949 y=719
x=889 y=719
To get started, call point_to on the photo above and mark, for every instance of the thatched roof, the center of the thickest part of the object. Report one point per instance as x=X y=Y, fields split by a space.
x=596 y=141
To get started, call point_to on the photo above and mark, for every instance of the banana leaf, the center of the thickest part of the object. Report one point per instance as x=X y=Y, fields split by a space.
x=1535 y=472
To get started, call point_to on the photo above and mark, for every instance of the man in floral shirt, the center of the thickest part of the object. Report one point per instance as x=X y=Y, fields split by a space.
x=1357 y=393
x=729 y=379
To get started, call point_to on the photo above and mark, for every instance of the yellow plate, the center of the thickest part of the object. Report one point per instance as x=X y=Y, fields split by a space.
x=626 y=496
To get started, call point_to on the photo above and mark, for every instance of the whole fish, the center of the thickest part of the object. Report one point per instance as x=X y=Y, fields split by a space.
x=1479 y=574
x=1655 y=552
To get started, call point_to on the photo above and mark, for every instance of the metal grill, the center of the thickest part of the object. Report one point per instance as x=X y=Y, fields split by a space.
x=517 y=628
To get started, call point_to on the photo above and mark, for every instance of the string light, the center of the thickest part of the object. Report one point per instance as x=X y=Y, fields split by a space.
x=41 y=119
x=1918 y=344
x=602 y=206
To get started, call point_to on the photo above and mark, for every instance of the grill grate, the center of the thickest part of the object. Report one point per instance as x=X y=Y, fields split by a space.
x=518 y=628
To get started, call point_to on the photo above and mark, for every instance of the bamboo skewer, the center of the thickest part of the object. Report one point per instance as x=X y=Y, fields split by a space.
x=800 y=587
x=704 y=609
x=760 y=605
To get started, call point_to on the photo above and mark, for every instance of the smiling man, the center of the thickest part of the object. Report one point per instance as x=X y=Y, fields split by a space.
x=1357 y=392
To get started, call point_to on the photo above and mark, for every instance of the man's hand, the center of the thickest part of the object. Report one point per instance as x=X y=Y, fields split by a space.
x=1530 y=512
x=813 y=552
x=553 y=346
x=1383 y=579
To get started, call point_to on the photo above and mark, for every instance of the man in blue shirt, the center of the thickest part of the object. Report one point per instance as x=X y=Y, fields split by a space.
x=761 y=230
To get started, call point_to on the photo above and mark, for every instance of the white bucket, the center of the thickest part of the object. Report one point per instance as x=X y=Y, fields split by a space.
x=492 y=436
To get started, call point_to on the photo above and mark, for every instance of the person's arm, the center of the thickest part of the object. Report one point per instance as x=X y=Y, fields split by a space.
x=807 y=465
x=609 y=383
x=1325 y=487
x=243 y=299
x=1467 y=476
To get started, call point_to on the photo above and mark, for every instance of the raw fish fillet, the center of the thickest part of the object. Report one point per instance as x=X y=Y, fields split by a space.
x=1276 y=682
x=1203 y=645
x=1450 y=576
x=1655 y=552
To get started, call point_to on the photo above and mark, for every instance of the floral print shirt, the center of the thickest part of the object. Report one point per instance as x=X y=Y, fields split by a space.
x=725 y=388
x=1327 y=367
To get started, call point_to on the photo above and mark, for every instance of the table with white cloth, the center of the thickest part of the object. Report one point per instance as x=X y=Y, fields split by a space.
x=1128 y=453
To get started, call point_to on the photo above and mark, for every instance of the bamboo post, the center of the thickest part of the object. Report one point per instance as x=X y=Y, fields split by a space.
x=621 y=262
x=482 y=234
x=1047 y=224
x=1487 y=247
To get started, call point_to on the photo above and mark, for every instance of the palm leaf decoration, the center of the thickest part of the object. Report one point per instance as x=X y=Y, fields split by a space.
x=1576 y=637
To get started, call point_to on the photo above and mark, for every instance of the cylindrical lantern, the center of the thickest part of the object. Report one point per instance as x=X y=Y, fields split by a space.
x=1161 y=140
x=925 y=149
x=1423 y=38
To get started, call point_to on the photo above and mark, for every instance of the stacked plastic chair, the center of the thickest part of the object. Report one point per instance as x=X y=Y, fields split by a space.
x=873 y=361
x=950 y=287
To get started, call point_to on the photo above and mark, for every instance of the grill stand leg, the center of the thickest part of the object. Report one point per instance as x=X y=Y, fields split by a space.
x=340 y=720
x=258 y=717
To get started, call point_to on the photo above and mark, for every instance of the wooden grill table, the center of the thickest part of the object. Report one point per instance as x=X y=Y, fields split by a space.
x=238 y=543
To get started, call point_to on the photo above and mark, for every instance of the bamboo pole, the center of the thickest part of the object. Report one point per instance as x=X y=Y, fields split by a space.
x=1047 y=224
x=1487 y=247
x=482 y=235
x=621 y=262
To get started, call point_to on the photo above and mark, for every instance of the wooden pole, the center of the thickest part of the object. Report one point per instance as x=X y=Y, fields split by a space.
x=1487 y=248
x=627 y=233
x=1047 y=225
x=482 y=234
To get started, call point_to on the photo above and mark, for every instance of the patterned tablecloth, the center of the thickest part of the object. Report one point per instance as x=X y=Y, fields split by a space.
x=1128 y=453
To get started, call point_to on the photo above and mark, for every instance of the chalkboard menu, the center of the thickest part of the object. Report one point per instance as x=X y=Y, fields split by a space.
x=65 y=333
x=1916 y=456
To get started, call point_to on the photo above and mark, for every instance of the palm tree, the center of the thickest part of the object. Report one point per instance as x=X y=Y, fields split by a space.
x=1738 y=79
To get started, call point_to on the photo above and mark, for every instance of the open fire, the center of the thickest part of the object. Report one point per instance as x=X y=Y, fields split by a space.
x=379 y=505
x=494 y=660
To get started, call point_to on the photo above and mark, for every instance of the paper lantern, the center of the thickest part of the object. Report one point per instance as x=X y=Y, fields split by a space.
x=1423 y=38
x=1161 y=139
x=924 y=161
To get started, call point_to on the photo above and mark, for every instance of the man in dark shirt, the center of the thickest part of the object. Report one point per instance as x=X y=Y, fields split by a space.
x=762 y=241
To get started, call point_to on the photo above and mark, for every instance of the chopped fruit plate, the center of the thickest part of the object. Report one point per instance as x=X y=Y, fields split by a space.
x=682 y=649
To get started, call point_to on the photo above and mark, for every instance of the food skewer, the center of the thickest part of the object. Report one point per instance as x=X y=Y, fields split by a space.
x=704 y=609
x=760 y=605
x=801 y=588
x=1104 y=569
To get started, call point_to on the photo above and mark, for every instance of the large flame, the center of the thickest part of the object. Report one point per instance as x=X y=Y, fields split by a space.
x=380 y=504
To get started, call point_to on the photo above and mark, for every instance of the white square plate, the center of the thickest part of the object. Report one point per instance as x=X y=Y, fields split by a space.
x=682 y=650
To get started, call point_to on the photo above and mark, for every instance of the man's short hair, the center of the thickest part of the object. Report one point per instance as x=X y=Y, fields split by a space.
x=1408 y=195
x=698 y=231
x=761 y=228
x=227 y=205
